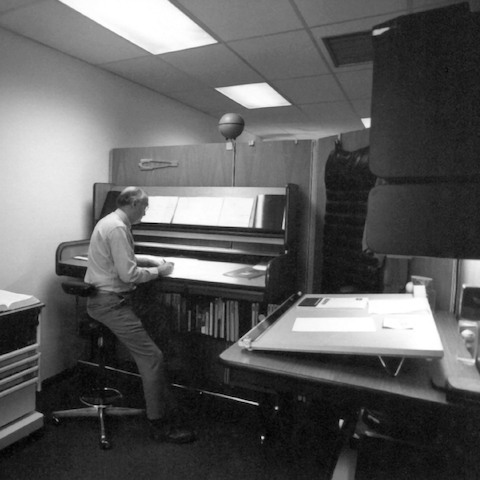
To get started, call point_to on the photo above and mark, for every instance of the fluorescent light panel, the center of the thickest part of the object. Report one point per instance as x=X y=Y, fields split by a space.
x=254 y=95
x=154 y=25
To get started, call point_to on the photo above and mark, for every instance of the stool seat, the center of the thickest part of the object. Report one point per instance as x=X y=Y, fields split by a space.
x=78 y=288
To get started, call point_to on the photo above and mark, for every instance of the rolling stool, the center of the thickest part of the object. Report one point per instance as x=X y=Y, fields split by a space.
x=98 y=401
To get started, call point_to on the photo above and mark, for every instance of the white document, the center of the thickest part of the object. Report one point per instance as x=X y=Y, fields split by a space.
x=399 y=322
x=198 y=211
x=160 y=209
x=334 y=324
x=236 y=212
x=183 y=267
x=359 y=303
x=408 y=305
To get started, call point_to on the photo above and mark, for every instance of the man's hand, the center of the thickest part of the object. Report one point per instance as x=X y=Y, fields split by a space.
x=149 y=260
x=165 y=269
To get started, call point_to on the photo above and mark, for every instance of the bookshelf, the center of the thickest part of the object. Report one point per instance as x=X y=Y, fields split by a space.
x=200 y=328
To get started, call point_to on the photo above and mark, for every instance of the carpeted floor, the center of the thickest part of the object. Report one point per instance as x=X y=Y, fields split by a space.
x=302 y=446
x=228 y=445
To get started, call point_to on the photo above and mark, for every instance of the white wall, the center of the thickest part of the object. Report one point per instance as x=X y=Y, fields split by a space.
x=59 y=119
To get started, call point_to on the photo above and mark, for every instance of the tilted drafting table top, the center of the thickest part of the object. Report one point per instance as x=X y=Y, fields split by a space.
x=383 y=325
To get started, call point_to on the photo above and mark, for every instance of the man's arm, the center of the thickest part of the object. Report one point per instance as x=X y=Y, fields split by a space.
x=163 y=266
x=125 y=260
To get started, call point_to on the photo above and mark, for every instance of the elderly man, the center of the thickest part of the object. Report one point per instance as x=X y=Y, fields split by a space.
x=115 y=271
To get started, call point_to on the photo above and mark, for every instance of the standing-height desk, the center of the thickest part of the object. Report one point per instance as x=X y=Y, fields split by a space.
x=360 y=379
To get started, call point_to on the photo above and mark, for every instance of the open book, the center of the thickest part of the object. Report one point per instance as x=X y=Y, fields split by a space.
x=11 y=301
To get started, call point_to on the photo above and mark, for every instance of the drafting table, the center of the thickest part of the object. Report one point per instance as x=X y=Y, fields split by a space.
x=382 y=325
x=428 y=381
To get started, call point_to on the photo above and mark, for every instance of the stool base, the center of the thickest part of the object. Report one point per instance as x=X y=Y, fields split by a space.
x=99 y=404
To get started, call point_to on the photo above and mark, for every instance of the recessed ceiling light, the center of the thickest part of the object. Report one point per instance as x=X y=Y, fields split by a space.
x=254 y=95
x=366 y=122
x=154 y=25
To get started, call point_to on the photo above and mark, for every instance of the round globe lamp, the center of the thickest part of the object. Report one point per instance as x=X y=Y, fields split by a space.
x=231 y=125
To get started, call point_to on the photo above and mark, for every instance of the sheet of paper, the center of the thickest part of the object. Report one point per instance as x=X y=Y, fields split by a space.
x=236 y=212
x=334 y=324
x=182 y=266
x=344 y=302
x=160 y=209
x=407 y=305
x=198 y=211
x=399 y=322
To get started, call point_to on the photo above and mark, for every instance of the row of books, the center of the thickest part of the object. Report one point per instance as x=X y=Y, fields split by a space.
x=215 y=317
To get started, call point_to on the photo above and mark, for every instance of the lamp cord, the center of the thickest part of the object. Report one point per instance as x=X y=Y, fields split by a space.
x=234 y=150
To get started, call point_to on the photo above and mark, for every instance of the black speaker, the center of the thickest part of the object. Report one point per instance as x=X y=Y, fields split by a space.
x=426 y=95
x=469 y=303
x=469 y=323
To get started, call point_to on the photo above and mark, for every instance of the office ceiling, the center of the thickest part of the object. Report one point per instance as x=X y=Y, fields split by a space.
x=275 y=41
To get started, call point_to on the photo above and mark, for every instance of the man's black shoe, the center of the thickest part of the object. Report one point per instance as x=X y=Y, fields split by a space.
x=162 y=431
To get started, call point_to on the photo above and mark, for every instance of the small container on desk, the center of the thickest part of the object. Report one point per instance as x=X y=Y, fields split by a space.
x=469 y=325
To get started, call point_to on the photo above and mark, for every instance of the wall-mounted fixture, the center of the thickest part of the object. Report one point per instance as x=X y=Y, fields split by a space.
x=231 y=125
x=149 y=164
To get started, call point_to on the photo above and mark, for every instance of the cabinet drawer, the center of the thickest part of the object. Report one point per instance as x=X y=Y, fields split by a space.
x=18 y=366
x=19 y=329
x=17 y=401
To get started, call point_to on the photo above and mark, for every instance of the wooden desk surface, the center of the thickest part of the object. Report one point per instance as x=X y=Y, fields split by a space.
x=360 y=374
x=214 y=272
x=418 y=379
x=194 y=270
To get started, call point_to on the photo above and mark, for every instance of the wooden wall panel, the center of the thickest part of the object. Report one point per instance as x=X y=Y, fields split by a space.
x=265 y=164
x=274 y=164
x=198 y=165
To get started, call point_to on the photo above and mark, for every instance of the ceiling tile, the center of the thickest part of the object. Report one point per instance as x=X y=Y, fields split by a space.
x=6 y=5
x=60 y=27
x=357 y=84
x=207 y=100
x=215 y=65
x=323 y=12
x=362 y=107
x=232 y=20
x=154 y=73
x=429 y=4
x=285 y=55
x=314 y=89
x=259 y=40
x=278 y=115
x=335 y=115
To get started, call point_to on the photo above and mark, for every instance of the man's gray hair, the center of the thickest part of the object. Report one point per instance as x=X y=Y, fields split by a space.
x=130 y=195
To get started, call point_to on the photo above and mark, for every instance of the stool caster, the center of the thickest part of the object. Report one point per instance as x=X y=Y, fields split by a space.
x=105 y=444
x=55 y=421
